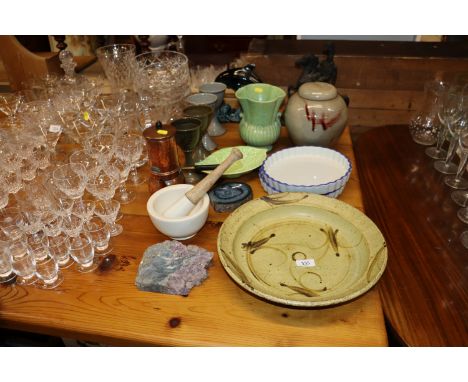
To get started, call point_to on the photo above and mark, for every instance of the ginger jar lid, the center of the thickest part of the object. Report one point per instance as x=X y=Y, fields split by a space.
x=317 y=91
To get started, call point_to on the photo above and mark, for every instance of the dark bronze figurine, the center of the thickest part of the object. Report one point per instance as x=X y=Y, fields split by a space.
x=235 y=78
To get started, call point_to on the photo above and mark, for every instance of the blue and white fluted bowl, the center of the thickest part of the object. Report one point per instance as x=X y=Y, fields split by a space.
x=312 y=169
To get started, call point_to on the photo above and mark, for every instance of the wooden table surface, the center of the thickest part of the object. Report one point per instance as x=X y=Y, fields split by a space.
x=424 y=288
x=108 y=308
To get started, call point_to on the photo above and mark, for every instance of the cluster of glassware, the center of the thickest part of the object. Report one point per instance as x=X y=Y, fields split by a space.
x=58 y=208
x=444 y=117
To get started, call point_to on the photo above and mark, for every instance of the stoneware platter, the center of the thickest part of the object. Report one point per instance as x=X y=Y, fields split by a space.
x=302 y=249
x=253 y=158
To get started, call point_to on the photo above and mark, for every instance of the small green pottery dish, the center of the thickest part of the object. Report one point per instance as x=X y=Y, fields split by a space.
x=302 y=249
x=253 y=158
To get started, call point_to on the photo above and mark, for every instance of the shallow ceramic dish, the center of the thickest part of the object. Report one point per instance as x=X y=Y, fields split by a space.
x=302 y=249
x=307 y=169
x=272 y=190
x=253 y=158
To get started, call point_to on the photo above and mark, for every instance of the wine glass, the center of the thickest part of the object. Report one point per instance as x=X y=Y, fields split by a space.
x=48 y=273
x=101 y=147
x=119 y=63
x=59 y=249
x=102 y=184
x=450 y=113
x=82 y=251
x=107 y=210
x=6 y=268
x=23 y=262
x=99 y=232
x=457 y=181
x=123 y=165
x=71 y=179
x=10 y=103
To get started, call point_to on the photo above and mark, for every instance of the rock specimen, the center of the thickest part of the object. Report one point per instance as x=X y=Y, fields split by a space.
x=173 y=268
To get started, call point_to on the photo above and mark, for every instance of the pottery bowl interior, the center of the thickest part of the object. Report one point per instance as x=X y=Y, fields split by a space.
x=176 y=228
x=306 y=169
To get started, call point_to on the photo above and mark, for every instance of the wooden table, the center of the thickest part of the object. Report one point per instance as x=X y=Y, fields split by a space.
x=108 y=308
x=424 y=289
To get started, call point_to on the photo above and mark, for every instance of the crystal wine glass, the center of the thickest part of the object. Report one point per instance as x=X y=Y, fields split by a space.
x=24 y=263
x=450 y=113
x=457 y=181
x=82 y=251
x=10 y=103
x=119 y=63
x=71 y=179
x=48 y=273
x=6 y=268
x=107 y=210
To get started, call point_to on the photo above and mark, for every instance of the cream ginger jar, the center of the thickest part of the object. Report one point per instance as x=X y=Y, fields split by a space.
x=315 y=115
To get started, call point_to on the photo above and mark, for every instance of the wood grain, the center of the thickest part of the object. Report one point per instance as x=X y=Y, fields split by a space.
x=383 y=90
x=107 y=307
x=424 y=289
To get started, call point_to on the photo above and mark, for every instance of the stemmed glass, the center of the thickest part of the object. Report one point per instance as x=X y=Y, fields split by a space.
x=23 y=262
x=101 y=147
x=450 y=113
x=123 y=164
x=48 y=273
x=99 y=232
x=119 y=63
x=59 y=249
x=82 y=251
x=71 y=179
x=457 y=181
x=6 y=268
x=107 y=210
x=10 y=103
x=129 y=149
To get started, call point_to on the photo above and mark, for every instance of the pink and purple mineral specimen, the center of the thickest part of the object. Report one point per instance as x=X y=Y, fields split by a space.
x=173 y=268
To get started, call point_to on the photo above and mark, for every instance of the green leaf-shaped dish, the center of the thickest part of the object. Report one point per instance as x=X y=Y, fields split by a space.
x=253 y=158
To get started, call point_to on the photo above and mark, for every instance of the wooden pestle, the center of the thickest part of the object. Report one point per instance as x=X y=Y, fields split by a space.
x=186 y=203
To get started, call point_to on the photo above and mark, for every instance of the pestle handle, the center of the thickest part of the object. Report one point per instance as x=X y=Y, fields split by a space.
x=197 y=192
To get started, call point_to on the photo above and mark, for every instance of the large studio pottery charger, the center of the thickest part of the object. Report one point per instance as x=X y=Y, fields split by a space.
x=302 y=249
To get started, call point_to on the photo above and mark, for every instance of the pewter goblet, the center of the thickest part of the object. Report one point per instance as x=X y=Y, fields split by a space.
x=210 y=100
x=187 y=137
x=203 y=113
x=217 y=88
